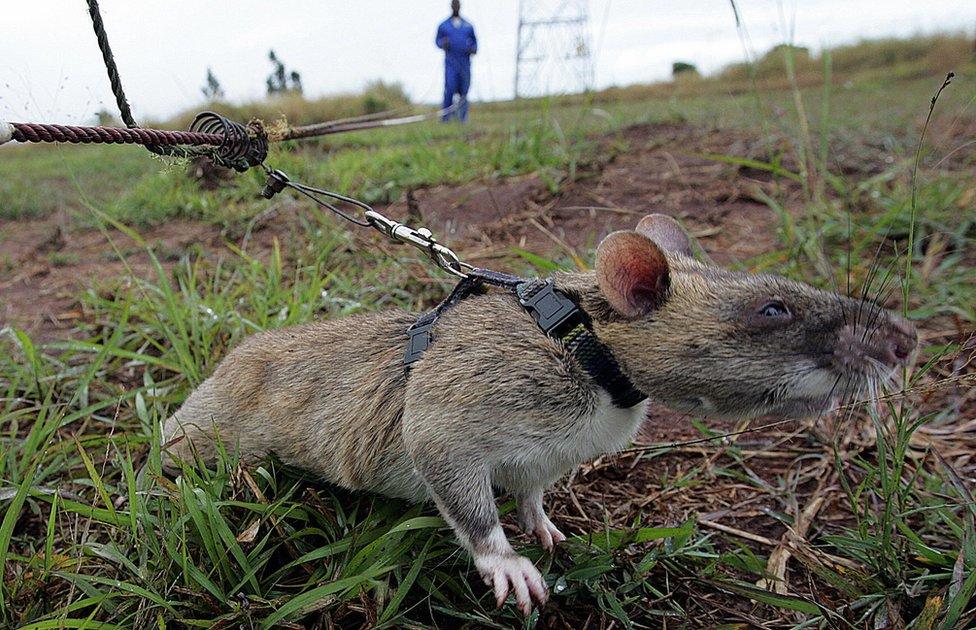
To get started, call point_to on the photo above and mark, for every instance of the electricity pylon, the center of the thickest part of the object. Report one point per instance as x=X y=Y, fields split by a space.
x=553 y=54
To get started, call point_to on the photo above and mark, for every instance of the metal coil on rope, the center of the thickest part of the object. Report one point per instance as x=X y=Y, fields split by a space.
x=241 y=147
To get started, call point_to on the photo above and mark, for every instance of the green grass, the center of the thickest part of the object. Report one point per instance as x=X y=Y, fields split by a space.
x=95 y=534
x=96 y=173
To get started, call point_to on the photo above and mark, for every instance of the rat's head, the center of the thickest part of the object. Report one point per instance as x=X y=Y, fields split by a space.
x=706 y=340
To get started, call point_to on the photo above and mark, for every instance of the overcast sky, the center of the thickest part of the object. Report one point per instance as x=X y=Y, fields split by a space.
x=51 y=70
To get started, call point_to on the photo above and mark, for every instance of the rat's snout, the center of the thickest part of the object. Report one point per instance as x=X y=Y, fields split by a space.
x=885 y=339
x=901 y=342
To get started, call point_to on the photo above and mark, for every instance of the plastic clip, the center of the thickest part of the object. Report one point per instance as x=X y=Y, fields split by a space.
x=419 y=338
x=552 y=311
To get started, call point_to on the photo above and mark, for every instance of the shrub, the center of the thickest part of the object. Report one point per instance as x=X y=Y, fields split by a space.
x=683 y=67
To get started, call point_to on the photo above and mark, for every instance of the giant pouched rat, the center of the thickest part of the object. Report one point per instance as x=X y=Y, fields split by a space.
x=495 y=402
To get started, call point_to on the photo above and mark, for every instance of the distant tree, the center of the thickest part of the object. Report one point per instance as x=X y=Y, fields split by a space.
x=280 y=80
x=683 y=67
x=296 y=82
x=212 y=91
x=276 y=80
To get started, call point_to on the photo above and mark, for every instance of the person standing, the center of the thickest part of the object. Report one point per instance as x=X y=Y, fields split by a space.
x=455 y=36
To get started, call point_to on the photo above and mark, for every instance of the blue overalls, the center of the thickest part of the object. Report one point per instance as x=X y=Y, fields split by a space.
x=458 y=43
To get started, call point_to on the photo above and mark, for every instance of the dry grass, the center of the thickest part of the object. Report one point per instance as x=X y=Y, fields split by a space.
x=298 y=110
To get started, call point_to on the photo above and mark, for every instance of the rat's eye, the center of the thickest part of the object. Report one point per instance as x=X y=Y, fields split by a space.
x=774 y=308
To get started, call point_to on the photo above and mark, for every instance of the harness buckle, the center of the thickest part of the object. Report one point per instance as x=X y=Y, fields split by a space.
x=552 y=311
x=419 y=338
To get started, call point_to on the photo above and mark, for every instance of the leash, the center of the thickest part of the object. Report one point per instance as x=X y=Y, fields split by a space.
x=421 y=238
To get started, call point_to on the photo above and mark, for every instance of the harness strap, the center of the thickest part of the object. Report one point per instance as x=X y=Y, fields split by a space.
x=556 y=315
x=561 y=318
x=420 y=335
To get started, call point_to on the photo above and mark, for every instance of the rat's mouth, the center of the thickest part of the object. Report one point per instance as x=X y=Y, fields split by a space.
x=826 y=389
x=874 y=354
x=814 y=389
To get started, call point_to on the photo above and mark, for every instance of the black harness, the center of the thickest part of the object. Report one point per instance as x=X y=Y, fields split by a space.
x=556 y=314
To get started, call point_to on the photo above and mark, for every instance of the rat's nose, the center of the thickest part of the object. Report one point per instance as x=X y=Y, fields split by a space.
x=902 y=339
x=875 y=338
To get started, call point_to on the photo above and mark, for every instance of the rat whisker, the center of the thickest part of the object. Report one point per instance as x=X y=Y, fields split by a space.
x=883 y=293
x=833 y=388
x=850 y=230
x=869 y=278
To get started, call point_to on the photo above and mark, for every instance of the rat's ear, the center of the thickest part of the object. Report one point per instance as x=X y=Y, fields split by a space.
x=666 y=232
x=632 y=273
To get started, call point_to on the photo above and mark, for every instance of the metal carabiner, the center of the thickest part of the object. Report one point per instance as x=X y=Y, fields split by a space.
x=447 y=260
x=422 y=239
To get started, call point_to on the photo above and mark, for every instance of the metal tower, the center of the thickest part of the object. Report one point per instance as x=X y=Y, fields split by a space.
x=552 y=55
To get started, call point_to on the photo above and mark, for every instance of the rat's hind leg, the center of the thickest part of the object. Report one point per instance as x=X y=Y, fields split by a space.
x=533 y=519
x=186 y=440
x=460 y=486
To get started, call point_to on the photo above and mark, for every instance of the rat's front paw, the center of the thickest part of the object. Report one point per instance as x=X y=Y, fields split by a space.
x=513 y=572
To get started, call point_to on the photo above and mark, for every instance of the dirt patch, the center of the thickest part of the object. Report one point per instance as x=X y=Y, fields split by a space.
x=659 y=169
x=50 y=263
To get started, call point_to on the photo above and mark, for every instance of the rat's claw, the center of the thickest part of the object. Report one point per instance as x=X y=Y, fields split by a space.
x=521 y=593
x=544 y=530
x=549 y=535
x=511 y=573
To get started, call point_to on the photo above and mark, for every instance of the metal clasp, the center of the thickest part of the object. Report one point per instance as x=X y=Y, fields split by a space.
x=275 y=184
x=422 y=239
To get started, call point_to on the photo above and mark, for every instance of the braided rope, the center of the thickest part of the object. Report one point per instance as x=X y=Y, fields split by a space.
x=109 y=59
x=35 y=132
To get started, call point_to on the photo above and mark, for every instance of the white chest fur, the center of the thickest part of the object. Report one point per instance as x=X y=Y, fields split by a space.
x=539 y=463
x=609 y=428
